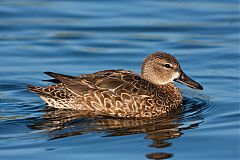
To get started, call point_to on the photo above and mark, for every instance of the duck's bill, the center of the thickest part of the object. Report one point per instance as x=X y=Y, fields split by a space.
x=184 y=79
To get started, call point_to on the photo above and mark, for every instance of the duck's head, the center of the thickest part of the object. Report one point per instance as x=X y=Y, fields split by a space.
x=161 y=68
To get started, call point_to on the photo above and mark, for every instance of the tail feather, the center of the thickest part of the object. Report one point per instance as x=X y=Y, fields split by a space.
x=35 y=89
x=53 y=90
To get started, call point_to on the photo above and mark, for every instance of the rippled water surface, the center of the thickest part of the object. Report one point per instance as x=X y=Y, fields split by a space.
x=78 y=37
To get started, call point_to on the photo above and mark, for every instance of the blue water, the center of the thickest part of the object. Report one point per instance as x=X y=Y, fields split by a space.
x=78 y=37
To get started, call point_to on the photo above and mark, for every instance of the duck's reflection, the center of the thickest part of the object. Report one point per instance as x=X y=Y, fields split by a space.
x=65 y=123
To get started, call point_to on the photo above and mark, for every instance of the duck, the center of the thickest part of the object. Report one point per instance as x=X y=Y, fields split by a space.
x=121 y=93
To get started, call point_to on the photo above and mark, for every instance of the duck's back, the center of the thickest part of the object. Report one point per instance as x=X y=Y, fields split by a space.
x=119 y=93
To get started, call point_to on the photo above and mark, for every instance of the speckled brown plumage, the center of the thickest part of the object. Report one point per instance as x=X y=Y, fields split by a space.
x=117 y=93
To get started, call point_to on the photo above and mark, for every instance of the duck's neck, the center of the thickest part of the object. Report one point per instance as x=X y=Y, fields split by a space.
x=173 y=93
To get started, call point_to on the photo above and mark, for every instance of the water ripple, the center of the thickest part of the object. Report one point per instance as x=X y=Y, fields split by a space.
x=76 y=37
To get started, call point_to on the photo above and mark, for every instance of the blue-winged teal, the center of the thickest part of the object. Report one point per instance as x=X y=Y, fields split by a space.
x=121 y=93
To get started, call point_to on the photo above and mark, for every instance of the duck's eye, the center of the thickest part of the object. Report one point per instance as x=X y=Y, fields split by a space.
x=167 y=65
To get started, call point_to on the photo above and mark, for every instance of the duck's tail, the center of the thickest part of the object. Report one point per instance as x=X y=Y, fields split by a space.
x=35 y=89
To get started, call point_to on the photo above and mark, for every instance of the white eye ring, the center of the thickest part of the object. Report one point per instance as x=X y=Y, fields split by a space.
x=167 y=65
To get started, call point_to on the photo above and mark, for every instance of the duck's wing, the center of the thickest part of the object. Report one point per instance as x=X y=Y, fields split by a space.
x=108 y=80
x=60 y=78
x=76 y=84
x=122 y=81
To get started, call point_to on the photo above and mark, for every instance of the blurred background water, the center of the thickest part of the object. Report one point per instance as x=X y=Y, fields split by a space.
x=78 y=37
